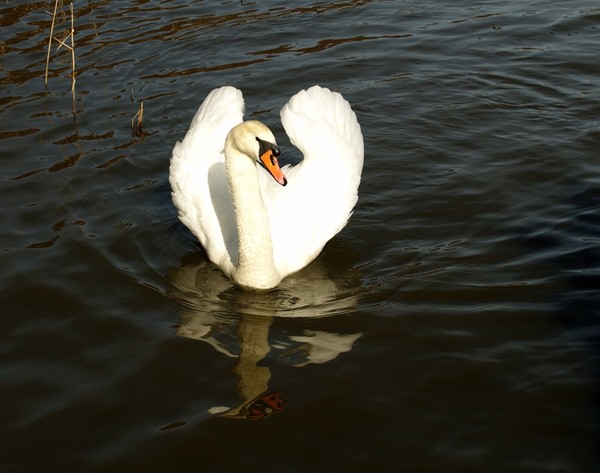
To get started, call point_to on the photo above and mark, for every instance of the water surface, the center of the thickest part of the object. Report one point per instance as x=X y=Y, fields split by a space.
x=453 y=325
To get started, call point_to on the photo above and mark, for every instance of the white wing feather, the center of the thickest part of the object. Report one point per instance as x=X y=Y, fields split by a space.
x=198 y=179
x=322 y=190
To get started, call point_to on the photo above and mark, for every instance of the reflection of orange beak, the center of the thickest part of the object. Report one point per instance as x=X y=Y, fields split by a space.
x=269 y=161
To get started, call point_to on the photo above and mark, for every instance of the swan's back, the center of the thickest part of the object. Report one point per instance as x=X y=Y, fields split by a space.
x=198 y=180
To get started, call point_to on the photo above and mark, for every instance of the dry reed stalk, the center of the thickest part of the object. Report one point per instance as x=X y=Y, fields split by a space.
x=72 y=51
x=137 y=129
x=73 y=61
x=50 y=41
x=63 y=42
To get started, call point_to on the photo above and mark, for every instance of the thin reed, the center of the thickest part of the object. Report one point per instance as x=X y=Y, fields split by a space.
x=62 y=42
x=136 y=128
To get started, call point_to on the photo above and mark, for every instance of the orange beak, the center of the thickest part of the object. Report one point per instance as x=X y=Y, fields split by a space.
x=270 y=163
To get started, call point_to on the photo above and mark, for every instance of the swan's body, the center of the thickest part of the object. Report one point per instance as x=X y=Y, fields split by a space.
x=253 y=226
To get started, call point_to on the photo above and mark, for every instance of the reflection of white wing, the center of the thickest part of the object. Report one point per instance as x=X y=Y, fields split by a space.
x=211 y=310
x=308 y=293
x=322 y=347
x=199 y=314
x=241 y=324
x=200 y=328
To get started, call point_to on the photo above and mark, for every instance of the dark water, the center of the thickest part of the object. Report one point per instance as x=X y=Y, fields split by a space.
x=452 y=326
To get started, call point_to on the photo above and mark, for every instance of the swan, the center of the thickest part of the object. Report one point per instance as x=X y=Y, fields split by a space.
x=261 y=225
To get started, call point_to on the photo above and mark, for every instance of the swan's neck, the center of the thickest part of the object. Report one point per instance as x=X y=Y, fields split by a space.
x=255 y=268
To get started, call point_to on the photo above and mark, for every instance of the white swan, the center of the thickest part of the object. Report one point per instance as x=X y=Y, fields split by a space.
x=254 y=227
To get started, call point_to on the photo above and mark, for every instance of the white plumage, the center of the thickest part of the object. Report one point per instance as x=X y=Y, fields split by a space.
x=278 y=229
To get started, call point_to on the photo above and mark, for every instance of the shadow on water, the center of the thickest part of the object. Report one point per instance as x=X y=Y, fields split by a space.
x=573 y=243
x=238 y=323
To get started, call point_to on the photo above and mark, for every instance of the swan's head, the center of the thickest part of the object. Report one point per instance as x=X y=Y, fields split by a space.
x=256 y=141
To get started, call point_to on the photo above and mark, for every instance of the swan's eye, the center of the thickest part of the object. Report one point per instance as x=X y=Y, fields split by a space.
x=265 y=146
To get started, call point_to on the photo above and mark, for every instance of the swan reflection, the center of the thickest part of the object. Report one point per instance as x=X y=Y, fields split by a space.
x=238 y=324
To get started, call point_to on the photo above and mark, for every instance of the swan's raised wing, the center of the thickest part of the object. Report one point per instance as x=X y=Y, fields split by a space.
x=198 y=179
x=322 y=190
